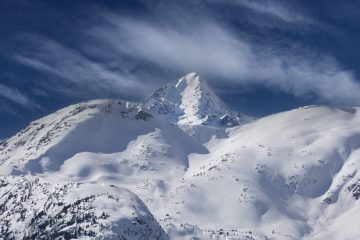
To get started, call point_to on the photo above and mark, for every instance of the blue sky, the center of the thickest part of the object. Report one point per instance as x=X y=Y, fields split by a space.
x=260 y=56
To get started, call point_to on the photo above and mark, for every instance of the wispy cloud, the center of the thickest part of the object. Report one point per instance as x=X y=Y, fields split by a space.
x=69 y=65
x=15 y=96
x=184 y=41
x=277 y=10
x=210 y=47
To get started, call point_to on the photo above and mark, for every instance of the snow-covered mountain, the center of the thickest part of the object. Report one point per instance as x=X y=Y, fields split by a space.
x=109 y=169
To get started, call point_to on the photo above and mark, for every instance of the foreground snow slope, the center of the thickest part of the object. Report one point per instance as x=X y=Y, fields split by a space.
x=35 y=209
x=292 y=175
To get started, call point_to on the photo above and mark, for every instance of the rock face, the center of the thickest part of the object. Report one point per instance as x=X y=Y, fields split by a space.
x=110 y=169
x=190 y=101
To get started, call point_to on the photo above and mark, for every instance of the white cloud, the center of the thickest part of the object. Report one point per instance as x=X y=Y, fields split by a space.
x=204 y=47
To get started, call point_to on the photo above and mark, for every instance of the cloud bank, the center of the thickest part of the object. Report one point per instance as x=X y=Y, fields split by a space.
x=182 y=41
x=215 y=49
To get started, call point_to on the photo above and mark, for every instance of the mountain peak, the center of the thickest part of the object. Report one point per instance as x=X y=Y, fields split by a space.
x=190 y=100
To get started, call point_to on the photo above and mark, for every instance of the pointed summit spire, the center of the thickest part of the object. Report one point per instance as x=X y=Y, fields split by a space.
x=190 y=100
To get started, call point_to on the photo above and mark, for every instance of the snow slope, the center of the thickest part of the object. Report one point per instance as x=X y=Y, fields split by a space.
x=104 y=126
x=290 y=174
x=161 y=170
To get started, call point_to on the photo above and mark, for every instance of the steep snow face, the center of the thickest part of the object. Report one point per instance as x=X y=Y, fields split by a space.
x=39 y=136
x=190 y=101
x=100 y=126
